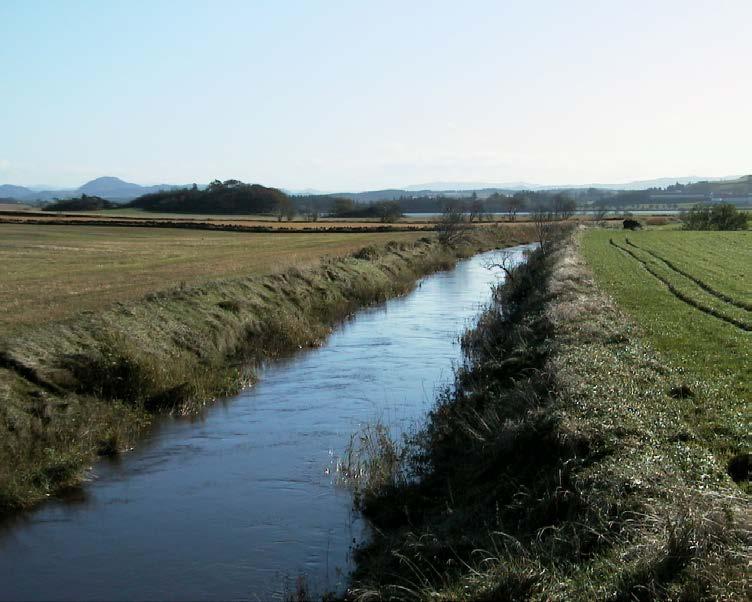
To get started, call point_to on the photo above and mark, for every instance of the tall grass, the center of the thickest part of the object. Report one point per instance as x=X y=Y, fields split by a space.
x=559 y=468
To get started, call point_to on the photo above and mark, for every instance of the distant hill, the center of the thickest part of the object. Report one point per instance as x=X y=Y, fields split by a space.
x=468 y=186
x=635 y=185
x=9 y=191
x=110 y=188
x=229 y=197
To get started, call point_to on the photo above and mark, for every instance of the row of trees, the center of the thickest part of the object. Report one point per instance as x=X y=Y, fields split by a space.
x=386 y=211
x=230 y=197
x=83 y=203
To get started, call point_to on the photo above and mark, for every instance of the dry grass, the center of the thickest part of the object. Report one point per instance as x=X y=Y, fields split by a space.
x=135 y=217
x=52 y=272
x=81 y=386
x=562 y=468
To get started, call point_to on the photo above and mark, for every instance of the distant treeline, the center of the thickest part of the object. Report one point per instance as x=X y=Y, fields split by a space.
x=83 y=203
x=236 y=197
x=228 y=197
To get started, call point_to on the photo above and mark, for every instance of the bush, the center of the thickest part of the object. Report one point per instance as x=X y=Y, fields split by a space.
x=716 y=217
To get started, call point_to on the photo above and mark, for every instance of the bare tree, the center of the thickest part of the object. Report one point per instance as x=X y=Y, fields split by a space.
x=475 y=208
x=285 y=209
x=452 y=225
x=563 y=206
x=504 y=261
x=513 y=204
x=312 y=213
x=600 y=210
x=544 y=226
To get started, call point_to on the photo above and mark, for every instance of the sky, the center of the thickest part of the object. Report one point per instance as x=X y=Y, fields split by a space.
x=363 y=95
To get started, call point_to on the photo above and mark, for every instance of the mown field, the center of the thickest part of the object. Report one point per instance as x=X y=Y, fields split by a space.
x=692 y=294
x=51 y=272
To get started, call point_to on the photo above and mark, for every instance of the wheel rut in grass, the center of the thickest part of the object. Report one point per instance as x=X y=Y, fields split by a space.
x=703 y=285
x=745 y=326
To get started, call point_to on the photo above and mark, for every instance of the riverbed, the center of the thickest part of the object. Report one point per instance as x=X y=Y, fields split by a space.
x=240 y=501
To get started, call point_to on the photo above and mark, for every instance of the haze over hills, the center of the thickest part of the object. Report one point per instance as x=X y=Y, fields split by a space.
x=635 y=185
x=119 y=191
x=108 y=187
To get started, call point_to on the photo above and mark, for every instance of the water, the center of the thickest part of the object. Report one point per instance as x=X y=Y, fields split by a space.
x=586 y=212
x=236 y=503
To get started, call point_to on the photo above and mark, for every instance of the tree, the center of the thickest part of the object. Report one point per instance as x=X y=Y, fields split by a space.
x=452 y=225
x=563 y=206
x=543 y=225
x=342 y=206
x=475 y=208
x=600 y=210
x=512 y=204
x=717 y=217
x=389 y=211
x=285 y=209
x=311 y=212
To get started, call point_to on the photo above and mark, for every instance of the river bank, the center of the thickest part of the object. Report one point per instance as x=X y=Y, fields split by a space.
x=560 y=468
x=84 y=387
x=239 y=501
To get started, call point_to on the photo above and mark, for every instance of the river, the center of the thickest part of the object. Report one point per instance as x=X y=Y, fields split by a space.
x=238 y=502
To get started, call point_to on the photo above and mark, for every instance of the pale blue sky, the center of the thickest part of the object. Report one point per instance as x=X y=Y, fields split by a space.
x=356 y=95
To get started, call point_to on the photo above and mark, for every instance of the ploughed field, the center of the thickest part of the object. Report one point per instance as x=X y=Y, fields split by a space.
x=52 y=272
x=692 y=294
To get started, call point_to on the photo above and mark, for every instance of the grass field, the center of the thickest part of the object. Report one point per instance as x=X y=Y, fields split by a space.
x=50 y=272
x=692 y=294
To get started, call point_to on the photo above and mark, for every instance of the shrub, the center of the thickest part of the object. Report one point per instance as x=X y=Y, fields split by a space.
x=716 y=217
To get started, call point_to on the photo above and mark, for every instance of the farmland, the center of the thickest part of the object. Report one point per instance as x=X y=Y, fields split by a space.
x=50 y=272
x=691 y=292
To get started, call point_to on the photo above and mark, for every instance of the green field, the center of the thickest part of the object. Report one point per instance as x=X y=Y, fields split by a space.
x=691 y=292
x=51 y=272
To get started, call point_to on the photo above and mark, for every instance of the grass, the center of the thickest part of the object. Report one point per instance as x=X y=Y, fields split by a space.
x=84 y=385
x=713 y=356
x=52 y=272
x=562 y=466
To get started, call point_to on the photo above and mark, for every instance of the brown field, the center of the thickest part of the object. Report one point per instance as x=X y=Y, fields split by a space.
x=51 y=272
x=198 y=220
x=14 y=207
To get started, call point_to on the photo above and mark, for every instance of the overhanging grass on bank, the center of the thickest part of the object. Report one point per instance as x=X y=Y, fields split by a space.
x=72 y=389
x=563 y=467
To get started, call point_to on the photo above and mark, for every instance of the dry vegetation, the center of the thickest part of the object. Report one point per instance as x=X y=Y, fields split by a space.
x=85 y=385
x=568 y=464
x=52 y=272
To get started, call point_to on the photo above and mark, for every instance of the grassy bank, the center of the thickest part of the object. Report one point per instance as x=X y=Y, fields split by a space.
x=566 y=465
x=72 y=389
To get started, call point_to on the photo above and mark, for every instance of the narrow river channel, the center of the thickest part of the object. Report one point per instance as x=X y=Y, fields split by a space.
x=236 y=503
